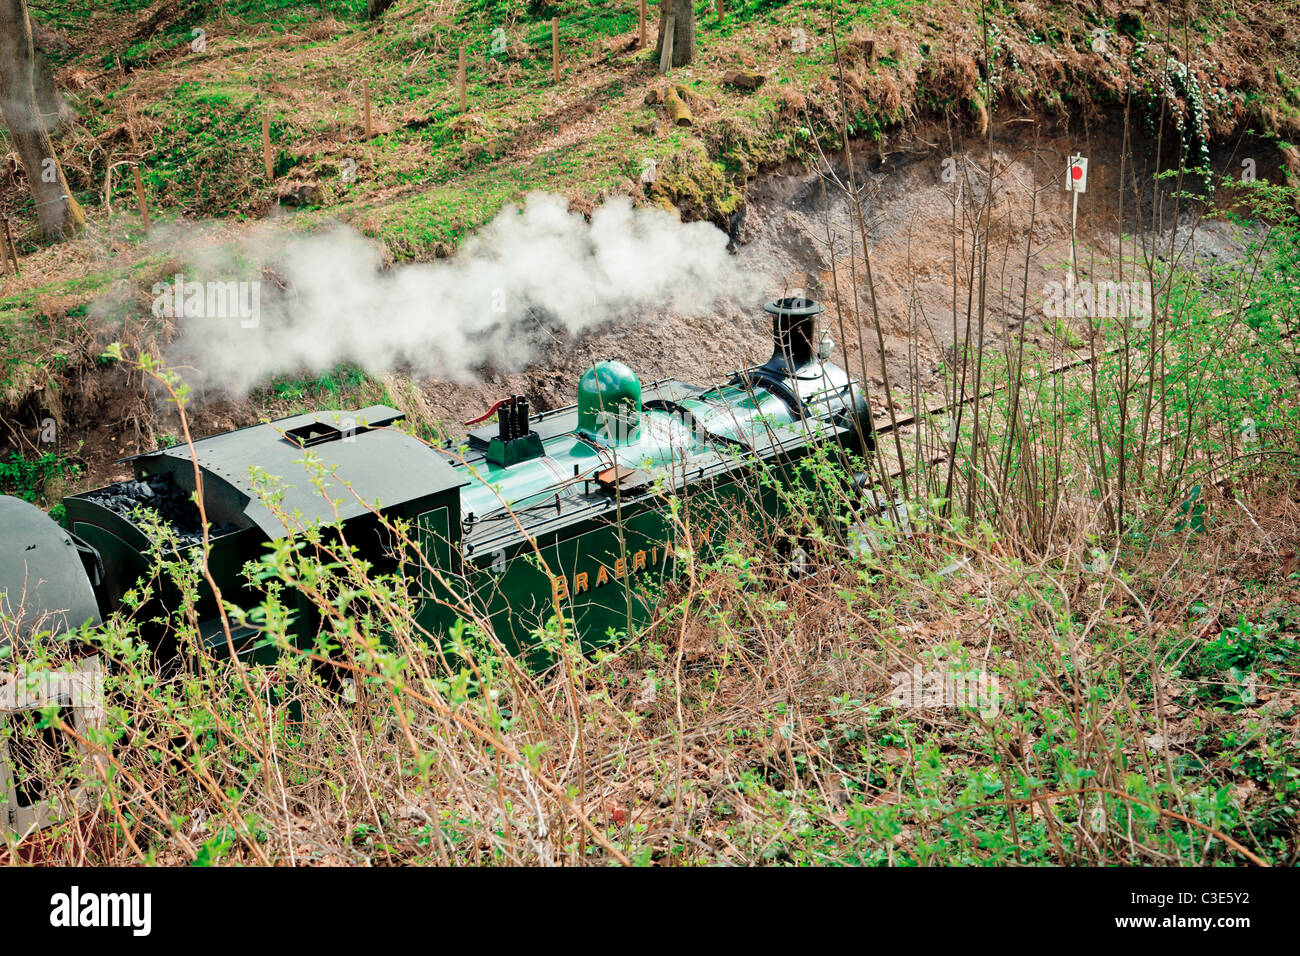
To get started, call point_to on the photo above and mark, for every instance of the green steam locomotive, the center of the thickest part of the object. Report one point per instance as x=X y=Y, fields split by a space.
x=563 y=511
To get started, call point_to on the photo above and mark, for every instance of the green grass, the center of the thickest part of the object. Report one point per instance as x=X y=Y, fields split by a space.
x=324 y=391
x=205 y=159
x=28 y=477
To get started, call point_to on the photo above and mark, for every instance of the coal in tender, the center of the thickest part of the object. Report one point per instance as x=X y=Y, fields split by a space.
x=160 y=494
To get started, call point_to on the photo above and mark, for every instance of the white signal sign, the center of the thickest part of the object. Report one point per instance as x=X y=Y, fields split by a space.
x=1076 y=174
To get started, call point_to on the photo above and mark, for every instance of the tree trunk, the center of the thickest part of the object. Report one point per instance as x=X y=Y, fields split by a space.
x=683 y=30
x=376 y=8
x=55 y=111
x=59 y=212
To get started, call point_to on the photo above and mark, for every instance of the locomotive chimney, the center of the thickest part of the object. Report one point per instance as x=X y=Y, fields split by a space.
x=792 y=333
x=520 y=418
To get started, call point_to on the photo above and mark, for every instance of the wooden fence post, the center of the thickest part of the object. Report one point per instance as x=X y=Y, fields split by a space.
x=13 y=252
x=666 y=54
x=266 y=145
x=641 y=24
x=4 y=255
x=555 y=49
x=370 y=129
x=139 y=198
x=460 y=79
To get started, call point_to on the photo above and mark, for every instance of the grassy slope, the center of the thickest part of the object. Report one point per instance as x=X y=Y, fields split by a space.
x=430 y=175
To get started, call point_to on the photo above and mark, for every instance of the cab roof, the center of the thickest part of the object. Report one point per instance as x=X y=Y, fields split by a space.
x=362 y=461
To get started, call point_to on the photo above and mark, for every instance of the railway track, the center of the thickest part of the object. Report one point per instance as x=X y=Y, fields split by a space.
x=912 y=420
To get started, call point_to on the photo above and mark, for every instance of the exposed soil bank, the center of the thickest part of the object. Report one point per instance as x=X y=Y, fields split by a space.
x=924 y=196
x=922 y=214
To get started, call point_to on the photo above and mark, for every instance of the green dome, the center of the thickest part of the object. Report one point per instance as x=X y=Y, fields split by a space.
x=609 y=401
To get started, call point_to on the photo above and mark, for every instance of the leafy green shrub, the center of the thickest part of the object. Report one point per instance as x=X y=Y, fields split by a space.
x=27 y=478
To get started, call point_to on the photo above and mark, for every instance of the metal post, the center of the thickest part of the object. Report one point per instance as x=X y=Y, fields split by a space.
x=1074 y=219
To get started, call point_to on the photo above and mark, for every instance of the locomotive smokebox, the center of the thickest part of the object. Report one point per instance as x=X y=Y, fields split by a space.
x=792 y=334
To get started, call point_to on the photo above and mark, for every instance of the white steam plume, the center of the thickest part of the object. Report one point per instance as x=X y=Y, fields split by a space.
x=533 y=264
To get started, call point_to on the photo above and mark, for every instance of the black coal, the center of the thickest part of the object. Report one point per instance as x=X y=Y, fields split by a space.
x=160 y=494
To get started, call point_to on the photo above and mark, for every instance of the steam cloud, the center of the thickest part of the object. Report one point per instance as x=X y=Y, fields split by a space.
x=534 y=265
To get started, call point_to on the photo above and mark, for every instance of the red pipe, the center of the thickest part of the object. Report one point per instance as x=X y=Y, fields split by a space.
x=489 y=413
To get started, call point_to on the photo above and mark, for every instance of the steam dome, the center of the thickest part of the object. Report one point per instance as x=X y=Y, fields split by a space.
x=609 y=401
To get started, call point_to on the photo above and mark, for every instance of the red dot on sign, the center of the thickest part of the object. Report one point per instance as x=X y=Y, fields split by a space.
x=1076 y=172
